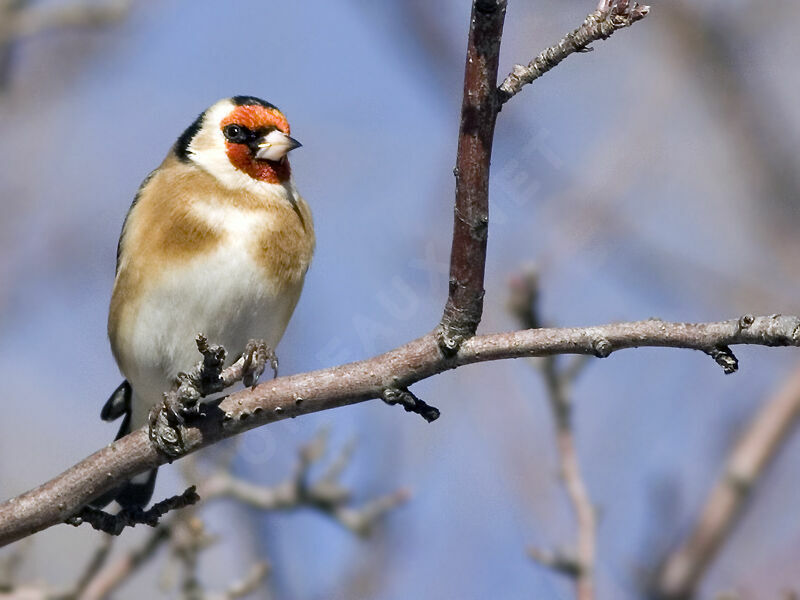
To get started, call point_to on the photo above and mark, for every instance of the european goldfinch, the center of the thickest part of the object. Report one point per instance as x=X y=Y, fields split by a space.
x=217 y=241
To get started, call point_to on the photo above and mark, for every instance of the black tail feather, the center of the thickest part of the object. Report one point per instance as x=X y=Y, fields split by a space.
x=118 y=404
x=137 y=492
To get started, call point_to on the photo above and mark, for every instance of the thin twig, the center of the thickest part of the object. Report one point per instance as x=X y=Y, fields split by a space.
x=325 y=494
x=113 y=524
x=524 y=304
x=611 y=16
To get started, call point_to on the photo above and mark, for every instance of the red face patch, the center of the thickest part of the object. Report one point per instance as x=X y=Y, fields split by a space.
x=254 y=118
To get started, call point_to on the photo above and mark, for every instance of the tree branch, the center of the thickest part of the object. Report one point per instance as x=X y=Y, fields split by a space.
x=451 y=345
x=64 y=496
x=610 y=16
x=580 y=566
x=114 y=524
x=479 y=109
x=324 y=493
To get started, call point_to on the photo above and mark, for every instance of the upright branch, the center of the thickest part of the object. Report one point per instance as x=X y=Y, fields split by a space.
x=479 y=109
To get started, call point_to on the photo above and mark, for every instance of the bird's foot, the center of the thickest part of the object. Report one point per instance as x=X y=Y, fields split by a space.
x=179 y=405
x=182 y=402
x=209 y=372
x=257 y=355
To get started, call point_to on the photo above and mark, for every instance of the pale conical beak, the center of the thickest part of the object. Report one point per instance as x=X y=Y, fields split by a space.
x=275 y=145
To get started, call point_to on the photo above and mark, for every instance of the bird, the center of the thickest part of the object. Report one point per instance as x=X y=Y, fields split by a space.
x=216 y=242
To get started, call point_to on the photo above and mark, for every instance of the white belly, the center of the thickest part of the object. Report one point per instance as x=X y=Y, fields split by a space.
x=224 y=295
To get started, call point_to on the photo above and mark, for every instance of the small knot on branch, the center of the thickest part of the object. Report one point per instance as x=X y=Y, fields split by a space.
x=130 y=517
x=410 y=402
x=725 y=358
x=739 y=483
x=602 y=347
x=745 y=321
x=459 y=320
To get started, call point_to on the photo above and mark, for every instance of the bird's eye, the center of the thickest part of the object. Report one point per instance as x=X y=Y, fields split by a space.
x=236 y=134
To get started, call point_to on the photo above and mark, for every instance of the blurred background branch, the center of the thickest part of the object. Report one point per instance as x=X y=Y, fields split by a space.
x=752 y=454
x=578 y=564
x=186 y=535
x=21 y=19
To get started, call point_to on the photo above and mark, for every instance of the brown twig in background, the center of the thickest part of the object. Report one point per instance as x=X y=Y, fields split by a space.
x=292 y=396
x=610 y=16
x=107 y=580
x=757 y=447
x=187 y=537
x=93 y=567
x=19 y=19
x=325 y=494
x=580 y=566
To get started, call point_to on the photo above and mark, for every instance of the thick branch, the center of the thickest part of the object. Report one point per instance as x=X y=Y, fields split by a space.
x=479 y=109
x=749 y=459
x=63 y=496
x=611 y=16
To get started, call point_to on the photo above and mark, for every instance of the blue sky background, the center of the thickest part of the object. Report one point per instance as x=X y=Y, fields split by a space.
x=620 y=174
